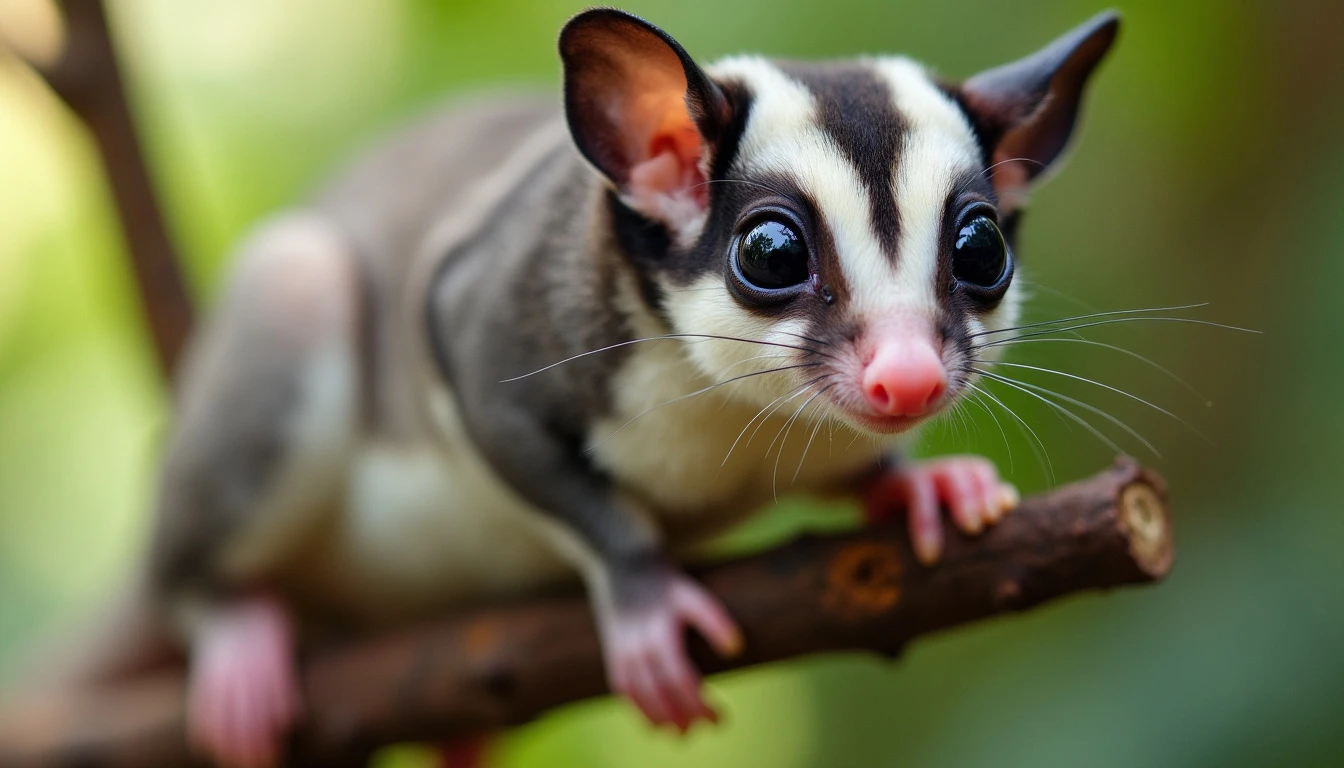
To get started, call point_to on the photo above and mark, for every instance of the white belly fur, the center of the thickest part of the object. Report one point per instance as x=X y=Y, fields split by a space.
x=436 y=530
x=428 y=525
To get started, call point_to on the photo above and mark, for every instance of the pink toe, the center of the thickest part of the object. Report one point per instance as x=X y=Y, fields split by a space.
x=702 y=611
x=646 y=650
x=243 y=697
x=647 y=696
x=926 y=528
x=988 y=481
x=962 y=498
x=681 y=686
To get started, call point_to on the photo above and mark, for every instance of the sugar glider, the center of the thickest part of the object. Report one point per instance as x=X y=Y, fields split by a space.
x=523 y=340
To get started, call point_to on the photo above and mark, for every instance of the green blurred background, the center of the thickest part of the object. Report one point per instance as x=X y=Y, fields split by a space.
x=1209 y=169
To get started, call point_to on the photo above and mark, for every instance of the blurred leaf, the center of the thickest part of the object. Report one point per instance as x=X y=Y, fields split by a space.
x=1207 y=170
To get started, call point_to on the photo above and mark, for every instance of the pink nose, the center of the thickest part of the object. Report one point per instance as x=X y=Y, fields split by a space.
x=904 y=378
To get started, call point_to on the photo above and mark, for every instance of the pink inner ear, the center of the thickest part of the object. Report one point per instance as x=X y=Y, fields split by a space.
x=669 y=183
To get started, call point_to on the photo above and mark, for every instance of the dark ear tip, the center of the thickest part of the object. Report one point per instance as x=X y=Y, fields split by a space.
x=597 y=18
x=1104 y=25
x=1091 y=40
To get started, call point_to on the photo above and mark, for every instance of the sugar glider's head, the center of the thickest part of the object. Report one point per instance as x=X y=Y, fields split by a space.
x=856 y=218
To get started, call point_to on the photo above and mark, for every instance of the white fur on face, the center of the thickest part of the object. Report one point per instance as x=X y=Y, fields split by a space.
x=784 y=137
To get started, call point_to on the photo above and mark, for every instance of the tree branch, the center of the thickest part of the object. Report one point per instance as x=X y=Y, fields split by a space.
x=88 y=80
x=504 y=666
x=861 y=591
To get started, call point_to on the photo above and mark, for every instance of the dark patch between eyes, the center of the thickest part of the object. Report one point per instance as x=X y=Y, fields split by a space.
x=855 y=108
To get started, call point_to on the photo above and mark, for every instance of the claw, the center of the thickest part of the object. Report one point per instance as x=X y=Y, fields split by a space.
x=968 y=486
x=646 y=653
x=243 y=694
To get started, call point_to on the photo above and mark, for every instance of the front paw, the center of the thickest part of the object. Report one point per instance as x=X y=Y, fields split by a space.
x=969 y=486
x=646 y=657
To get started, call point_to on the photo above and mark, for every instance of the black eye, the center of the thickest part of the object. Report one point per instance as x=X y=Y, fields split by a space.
x=771 y=256
x=980 y=256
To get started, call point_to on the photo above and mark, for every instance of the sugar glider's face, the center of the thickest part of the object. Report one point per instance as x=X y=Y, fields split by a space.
x=845 y=228
x=856 y=227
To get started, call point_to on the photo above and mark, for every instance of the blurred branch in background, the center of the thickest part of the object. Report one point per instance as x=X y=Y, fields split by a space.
x=84 y=73
x=505 y=666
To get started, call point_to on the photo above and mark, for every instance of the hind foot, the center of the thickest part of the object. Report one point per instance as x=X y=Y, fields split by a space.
x=243 y=695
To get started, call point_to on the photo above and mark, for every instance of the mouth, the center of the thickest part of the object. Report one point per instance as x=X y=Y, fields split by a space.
x=883 y=424
x=887 y=425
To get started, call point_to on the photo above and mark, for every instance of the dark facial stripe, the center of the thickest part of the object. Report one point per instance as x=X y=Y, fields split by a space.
x=855 y=108
x=820 y=239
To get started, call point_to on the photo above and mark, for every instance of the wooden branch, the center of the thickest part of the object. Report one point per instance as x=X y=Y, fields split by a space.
x=501 y=667
x=861 y=591
x=87 y=79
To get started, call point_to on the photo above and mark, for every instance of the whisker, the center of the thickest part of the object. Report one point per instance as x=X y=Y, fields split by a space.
x=1061 y=409
x=806 y=448
x=801 y=390
x=787 y=423
x=1033 y=285
x=1048 y=331
x=1171 y=374
x=830 y=435
x=793 y=392
x=1116 y=390
x=699 y=336
x=980 y=403
x=748 y=182
x=989 y=171
x=806 y=338
x=731 y=366
x=972 y=429
x=700 y=391
x=972 y=432
x=1039 y=453
x=774 y=478
x=1089 y=316
x=857 y=434
x=950 y=424
x=1034 y=388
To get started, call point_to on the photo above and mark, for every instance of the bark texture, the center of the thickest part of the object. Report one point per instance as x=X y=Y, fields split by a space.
x=857 y=592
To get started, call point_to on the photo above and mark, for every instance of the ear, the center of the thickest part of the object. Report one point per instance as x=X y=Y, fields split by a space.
x=642 y=112
x=1025 y=111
